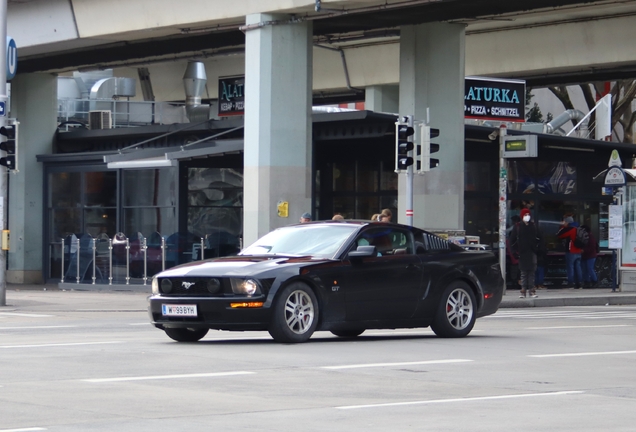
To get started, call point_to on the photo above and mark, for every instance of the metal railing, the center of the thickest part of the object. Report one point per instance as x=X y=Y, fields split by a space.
x=125 y=260
x=124 y=113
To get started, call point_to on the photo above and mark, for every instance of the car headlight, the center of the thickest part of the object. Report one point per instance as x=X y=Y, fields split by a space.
x=245 y=286
x=155 y=286
x=165 y=286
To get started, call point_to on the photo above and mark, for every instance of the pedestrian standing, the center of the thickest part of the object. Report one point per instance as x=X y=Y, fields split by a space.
x=588 y=259
x=305 y=217
x=524 y=240
x=572 y=253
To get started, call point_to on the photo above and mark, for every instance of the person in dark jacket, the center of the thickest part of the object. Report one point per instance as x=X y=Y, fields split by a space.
x=588 y=259
x=572 y=253
x=524 y=240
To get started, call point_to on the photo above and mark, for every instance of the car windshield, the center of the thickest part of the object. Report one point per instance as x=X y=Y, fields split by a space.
x=300 y=240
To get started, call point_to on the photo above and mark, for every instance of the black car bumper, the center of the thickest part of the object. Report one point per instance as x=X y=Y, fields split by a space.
x=212 y=313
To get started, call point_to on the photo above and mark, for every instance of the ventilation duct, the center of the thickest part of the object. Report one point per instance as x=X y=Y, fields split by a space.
x=110 y=88
x=563 y=118
x=194 y=80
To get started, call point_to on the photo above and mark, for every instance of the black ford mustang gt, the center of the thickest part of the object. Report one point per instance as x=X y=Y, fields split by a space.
x=344 y=277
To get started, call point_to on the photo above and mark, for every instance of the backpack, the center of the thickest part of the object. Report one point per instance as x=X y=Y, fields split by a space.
x=582 y=238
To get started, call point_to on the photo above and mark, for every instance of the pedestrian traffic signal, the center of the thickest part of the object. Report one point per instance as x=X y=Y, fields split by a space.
x=9 y=145
x=403 y=146
x=426 y=162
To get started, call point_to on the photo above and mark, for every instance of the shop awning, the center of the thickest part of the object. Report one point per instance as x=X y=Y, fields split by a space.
x=169 y=156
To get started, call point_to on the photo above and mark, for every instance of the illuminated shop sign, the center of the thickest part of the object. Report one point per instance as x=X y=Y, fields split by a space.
x=232 y=96
x=494 y=99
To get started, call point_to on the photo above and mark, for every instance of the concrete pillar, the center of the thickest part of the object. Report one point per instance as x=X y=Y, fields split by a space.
x=432 y=77
x=34 y=104
x=382 y=98
x=278 y=65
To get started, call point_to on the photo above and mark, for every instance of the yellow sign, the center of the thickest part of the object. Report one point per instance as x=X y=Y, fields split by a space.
x=516 y=145
x=283 y=209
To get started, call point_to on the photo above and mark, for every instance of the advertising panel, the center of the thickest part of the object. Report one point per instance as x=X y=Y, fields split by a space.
x=494 y=99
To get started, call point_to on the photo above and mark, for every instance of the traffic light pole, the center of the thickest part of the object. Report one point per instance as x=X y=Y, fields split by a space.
x=409 y=182
x=3 y=122
x=503 y=203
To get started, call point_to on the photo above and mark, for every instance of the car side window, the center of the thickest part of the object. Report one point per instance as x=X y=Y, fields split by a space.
x=387 y=241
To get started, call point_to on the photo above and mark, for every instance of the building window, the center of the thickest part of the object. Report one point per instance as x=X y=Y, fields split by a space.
x=215 y=208
x=149 y=201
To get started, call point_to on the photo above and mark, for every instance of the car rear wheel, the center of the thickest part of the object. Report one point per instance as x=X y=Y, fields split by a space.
x=456 y=313
x=295 y=314
x=348 y=333
x=186 y=334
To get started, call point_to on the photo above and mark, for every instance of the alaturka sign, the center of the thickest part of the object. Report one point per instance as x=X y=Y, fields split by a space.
x=494 y=99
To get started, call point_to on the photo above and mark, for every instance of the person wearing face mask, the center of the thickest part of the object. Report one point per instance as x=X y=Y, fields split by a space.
x=524 y=241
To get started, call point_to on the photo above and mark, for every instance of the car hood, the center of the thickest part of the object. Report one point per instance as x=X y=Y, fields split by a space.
x=238 y=266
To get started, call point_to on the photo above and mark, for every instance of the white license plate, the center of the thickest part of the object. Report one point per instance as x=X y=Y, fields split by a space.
x=179 y=310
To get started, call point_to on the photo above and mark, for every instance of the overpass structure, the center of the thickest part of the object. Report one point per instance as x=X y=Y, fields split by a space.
x=406 y=57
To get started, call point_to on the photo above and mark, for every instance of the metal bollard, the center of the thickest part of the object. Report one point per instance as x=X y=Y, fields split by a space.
x=144 y=247
x=163 y=253
x=78 y=261
x=110 y=261
x=62 y=255
x=94 y=249
x=202 y=248
x=127 y=261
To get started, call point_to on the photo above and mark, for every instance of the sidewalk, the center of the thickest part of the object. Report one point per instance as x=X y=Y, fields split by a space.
x=547 y=297
x=569 y=297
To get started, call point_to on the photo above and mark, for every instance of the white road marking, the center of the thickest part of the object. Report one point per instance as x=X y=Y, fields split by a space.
x=59 y=344
x=368 y=365
x=160 y=377
x=35 y=327
x=22 y=430
x=139 y=324
x=25 y=315
x=575 y=327
x=437 y=401
x=582 y=354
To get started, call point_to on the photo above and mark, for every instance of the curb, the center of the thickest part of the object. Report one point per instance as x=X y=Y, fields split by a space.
x=629 y=299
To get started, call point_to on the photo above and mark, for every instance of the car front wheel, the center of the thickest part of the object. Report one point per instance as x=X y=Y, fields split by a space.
x=456 y=312
x=295 y=315
x=186 y=334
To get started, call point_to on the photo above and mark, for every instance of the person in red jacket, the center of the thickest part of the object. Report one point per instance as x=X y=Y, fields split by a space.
x=588 y=259
x=572 y=253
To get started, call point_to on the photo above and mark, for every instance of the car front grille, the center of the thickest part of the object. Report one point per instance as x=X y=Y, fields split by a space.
x=198 y=287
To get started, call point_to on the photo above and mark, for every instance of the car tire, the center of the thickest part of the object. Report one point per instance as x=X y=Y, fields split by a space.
x=456 y=312
x=295 y=314
x=186 y=334
x=348 y=333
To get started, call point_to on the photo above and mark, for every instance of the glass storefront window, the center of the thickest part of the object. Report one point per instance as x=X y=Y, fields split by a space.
x=343 y=176
x=521 y=176
x=367 y=207
x=556 y=178
x=64 y=189
x=150 y=187
x=215 y=209
x=367 y=177
x=100 y=189
x=147 y=220
x=477 y=176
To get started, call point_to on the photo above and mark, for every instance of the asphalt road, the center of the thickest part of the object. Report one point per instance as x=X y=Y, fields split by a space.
x=73 y=361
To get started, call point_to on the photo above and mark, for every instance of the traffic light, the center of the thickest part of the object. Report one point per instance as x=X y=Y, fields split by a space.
x=428 y=148
x=9 y=145
x=403 y=146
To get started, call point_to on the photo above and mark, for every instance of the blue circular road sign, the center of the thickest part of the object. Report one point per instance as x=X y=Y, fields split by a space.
x=12 y=58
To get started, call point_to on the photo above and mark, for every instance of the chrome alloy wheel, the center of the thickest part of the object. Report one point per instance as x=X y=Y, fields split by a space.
x=299 y=312
x=459 y=309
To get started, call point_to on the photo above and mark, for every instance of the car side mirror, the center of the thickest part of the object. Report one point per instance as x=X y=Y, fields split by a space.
x=363 y=252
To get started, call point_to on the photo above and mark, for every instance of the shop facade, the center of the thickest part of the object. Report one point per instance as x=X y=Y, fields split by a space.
x=191 y=206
